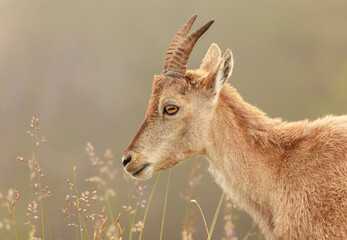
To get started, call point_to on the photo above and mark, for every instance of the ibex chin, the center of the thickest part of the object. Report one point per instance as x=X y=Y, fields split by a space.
x=291 y=177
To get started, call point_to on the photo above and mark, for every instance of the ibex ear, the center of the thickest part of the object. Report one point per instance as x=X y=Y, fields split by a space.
x=213 y=83
x=211 y=59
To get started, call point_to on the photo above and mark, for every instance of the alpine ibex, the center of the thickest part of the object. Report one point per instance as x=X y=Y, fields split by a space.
x=291 y=177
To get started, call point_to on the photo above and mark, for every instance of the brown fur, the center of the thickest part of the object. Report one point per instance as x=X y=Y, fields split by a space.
x=290 y=177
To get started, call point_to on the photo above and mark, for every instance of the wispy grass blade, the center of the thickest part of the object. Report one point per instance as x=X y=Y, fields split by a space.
x=10 y=211
x=77 y=200
x=166 y=194
x=215 y=216
x=149 y=203
x=14 y=229
x=131 y=217
x=35 y=157
x=108 y=204
x=202 y=214
x=193 y=173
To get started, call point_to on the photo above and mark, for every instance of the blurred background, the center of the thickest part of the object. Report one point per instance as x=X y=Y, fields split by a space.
x=85 y=68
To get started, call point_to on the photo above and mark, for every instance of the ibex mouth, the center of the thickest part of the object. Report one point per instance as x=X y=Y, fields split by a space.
x=138 y=172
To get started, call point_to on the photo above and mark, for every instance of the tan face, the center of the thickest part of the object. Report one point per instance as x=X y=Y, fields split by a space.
x=169 y=132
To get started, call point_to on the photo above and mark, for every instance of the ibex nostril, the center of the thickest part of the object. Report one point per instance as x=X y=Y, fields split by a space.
x=126 y=160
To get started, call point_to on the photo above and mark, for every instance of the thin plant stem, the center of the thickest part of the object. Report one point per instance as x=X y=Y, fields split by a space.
x=132 y=223
x=186 y=218
x=119 y=231
x=190 y=192
x=80 y=218
x=11 y=212
x=14 y=229
x=102 y=229
x=149 y=203
x=131 y=217
x=108 y=205
x=48 y=226
x=77 y=200
x=202 y=214
x=41 y=206
x=215 y=217
x=75 y=223
x=36 y=158
x=85 y=229
x=166 y=194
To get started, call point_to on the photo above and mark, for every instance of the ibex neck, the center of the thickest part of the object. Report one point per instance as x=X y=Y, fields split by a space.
x=242 y=130
x=243 y=149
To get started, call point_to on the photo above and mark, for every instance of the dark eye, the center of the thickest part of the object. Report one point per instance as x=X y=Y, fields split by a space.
x=170 y=109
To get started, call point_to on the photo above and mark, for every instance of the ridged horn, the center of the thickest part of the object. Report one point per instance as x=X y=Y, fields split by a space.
x=180 y=35
x=177 y=65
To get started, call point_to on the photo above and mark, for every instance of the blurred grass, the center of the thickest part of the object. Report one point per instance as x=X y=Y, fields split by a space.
x=89 y=211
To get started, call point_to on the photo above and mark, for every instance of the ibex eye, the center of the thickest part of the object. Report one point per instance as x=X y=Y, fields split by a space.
x=170 y=109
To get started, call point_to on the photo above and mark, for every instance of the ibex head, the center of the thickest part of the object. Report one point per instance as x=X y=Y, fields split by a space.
x=181 y=107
